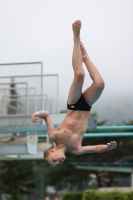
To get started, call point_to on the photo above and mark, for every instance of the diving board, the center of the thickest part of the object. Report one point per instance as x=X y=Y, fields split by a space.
x=115 y=134
x=119 y=127
x=43 y=129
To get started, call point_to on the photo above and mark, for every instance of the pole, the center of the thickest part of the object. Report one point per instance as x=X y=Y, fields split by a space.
x=132 y=180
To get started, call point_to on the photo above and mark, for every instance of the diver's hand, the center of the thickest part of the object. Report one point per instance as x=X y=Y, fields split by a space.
x=34 y=117
x=41 y=114
x=111 y=145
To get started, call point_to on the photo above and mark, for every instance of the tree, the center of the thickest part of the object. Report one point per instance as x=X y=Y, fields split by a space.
x=99 y=123
x=17 y=178
x=13 y=103
x=64 y=173
x=128 y=123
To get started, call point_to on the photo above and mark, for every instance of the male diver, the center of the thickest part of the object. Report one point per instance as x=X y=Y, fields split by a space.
x=69 y=134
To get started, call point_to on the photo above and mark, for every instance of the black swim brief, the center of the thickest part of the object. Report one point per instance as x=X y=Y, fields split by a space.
x=80 y=105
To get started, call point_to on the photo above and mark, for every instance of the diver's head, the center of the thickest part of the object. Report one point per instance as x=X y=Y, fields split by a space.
x=54 y=156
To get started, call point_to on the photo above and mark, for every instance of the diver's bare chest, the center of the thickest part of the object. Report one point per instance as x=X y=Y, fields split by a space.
x=71 y=131
x=75 y=142
x=69 y=138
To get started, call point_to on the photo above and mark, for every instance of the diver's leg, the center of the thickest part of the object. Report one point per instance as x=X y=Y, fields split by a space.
x=92 y=93
x=76 y=87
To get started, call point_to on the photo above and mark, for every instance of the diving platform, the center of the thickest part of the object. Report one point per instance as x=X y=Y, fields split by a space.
x=41 y=147
x=18 y=145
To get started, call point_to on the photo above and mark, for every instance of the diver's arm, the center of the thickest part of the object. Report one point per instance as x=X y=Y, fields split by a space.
x=46 y=116
x=96 y=148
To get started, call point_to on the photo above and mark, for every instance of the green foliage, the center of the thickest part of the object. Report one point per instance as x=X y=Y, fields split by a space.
x=112 y=195
x=94 y=195
x=128 y=123
x=72 y=196
x=63 y=111
x=129 y=195
x=116 y=195
x=66 y=172
x=17 y=198
x=17 y=178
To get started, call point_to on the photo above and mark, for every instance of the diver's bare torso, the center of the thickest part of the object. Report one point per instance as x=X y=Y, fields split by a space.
x=71 y=131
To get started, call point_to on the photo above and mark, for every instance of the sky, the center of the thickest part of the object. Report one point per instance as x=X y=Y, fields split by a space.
x=41 y=30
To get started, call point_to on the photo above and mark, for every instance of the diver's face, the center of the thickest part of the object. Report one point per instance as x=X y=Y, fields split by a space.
x=55 y=158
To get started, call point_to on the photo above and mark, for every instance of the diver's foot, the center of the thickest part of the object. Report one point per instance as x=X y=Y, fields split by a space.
x=76 y=29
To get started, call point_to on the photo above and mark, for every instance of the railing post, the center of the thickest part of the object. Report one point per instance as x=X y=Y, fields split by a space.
x=132 y=180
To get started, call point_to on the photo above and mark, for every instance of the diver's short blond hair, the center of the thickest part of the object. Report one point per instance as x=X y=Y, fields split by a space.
x=45 y=154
